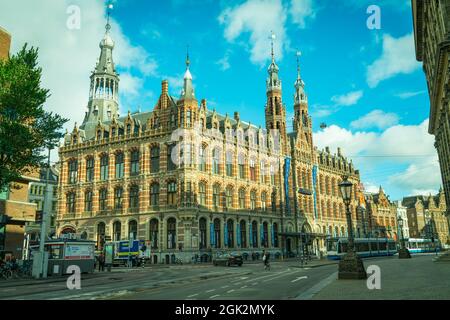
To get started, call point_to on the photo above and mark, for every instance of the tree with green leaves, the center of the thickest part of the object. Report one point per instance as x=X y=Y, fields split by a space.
x=26 y=129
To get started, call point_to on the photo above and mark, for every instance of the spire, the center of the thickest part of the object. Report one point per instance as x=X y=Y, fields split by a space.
x=299 y=85
x=188 y=90
x=273 y=81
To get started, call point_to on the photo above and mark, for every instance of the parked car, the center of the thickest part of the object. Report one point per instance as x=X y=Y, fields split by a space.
x=228 y=259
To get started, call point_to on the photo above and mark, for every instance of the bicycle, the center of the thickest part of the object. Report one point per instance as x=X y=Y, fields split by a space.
x=6 y=272
x=267 y=266
x=178 y=261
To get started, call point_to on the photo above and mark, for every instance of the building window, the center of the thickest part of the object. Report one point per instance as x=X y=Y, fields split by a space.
x=88 y=201
x=253 y=200
x=132 y=230
x=104 y=164
x=216 y=160
x=265 y=235
x=154 y=155
x=252 y=170
x=272 y=175
x=243 y=234
x=90 y=169
x=202 y=193
x=263 y=201
x=229 y=197
x=230 y=233
x=229 y=164
x=73 y=171
x=202 y=156
x=154 y=194
x=241 y=166
x=172 y=193
x=154 y=226
x=134 y=197
x=241 y=198
x=188 y=118
x=262 y=173
x=216 y=195
x=170 y=164
x=120 y=167
x=134 y=163
x=254 y=234
x=202 y=229
x=70 y=202
x=118 y=194
x=275 y=235
x=117 y=228
x=103 y=199
x=101 y=230
x=217 y=243
x=171 y=233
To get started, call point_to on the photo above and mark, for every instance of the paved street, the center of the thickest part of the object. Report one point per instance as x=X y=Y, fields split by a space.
x=400 y=279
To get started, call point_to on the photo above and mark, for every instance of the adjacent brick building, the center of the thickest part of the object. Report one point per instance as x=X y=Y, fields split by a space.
x=5 y=43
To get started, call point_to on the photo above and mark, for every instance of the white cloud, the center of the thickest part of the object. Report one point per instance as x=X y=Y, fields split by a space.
x=130 y=85
x=398 y=57
x=401 y=157
x=300 y=10
x=409 y=94
x=224 y=62
x=376 y=118
x=258 y=18
x=175 y=84
x=348 y=99
x=68 y=56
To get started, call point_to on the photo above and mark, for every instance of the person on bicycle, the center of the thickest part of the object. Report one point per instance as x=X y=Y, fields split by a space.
x=266 y=260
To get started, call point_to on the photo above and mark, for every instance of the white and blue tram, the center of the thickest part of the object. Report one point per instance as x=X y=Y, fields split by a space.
x=422 y=245
x=364 y=247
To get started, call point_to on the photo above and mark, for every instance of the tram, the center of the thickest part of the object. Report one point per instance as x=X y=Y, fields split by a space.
x=422 y=245
x=364 y=247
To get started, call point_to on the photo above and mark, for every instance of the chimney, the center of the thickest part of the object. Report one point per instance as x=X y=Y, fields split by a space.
x=327 y=149
x=236 y=116
x=203 y=103
x=339 y=152
x=165 y=87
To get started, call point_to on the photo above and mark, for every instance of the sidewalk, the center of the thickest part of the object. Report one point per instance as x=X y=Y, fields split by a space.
x=401 y=279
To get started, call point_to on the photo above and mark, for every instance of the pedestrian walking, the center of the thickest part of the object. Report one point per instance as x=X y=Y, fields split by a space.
x=101 y=262
x=266 y=260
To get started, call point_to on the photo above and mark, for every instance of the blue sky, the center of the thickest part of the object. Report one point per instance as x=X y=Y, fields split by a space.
x=364 y=84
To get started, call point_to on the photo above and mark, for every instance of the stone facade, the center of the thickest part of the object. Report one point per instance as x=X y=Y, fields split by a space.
x=381 y=215
x=427 y=217
x=5 y=44
x=432 y=38
x=191 y=181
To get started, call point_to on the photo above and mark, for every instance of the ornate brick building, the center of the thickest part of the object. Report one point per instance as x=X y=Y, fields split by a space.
x=192 y=181
x=381 y=215
x=432 y=38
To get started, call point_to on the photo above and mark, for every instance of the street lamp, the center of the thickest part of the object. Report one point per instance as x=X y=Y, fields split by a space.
x=403 y=253
x=351 y=266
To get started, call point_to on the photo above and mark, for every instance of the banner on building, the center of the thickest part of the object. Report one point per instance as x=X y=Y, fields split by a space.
x=314 y=180
x=211 y=235
x=225 y=234
x=262 y=234
x=238 y=235
x=250 y=234
x=287 y=167
x=272 y=231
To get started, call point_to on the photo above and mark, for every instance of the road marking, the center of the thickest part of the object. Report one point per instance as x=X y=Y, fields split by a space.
x=254 y=284
x=210 y=290
x=224 y=287
x=299 y=278
x=230 y=291
x=281 y=275
x=193 y=295
x=308 y=294
x=215 y=296
x=243 y=287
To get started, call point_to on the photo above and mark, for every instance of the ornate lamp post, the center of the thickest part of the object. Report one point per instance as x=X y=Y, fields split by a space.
x=351 y=266
x=403 y=253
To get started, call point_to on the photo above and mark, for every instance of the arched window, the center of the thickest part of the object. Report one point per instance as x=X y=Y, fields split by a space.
x=202 y=158
x=229 y=197
x=117 y=231
x=134 y=165
x=172 y=193
x=118 y=195
x=88 y=201
x=154 y=228
x=216 y=195
x=170 y=163
x=202 y=193
x=263 y=201
x=70 y=202
x=242 y=198
x=217 y=243
x=252 y=170
x=253 y=200
x=230 y=233
x=171 y=233
x=216 y=160
x=104 y=162
x=101 y=229
x=134 y=197
x=262 y=173
x=243 y=234
x=120 y=166
x=254 y=234
x=229 y=163
x=202 y=229
x=89 y=169
x=73 y=171
x=103 y=197
x=132 y=230
x=241 y=165
x=154 y=159
x=265 y=235
x=275 y=235
x=154 y=194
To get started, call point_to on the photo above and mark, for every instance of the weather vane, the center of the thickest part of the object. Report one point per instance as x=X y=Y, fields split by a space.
x=272 y=38
x=188 y=62
x=298 y=54
x=109 y=7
